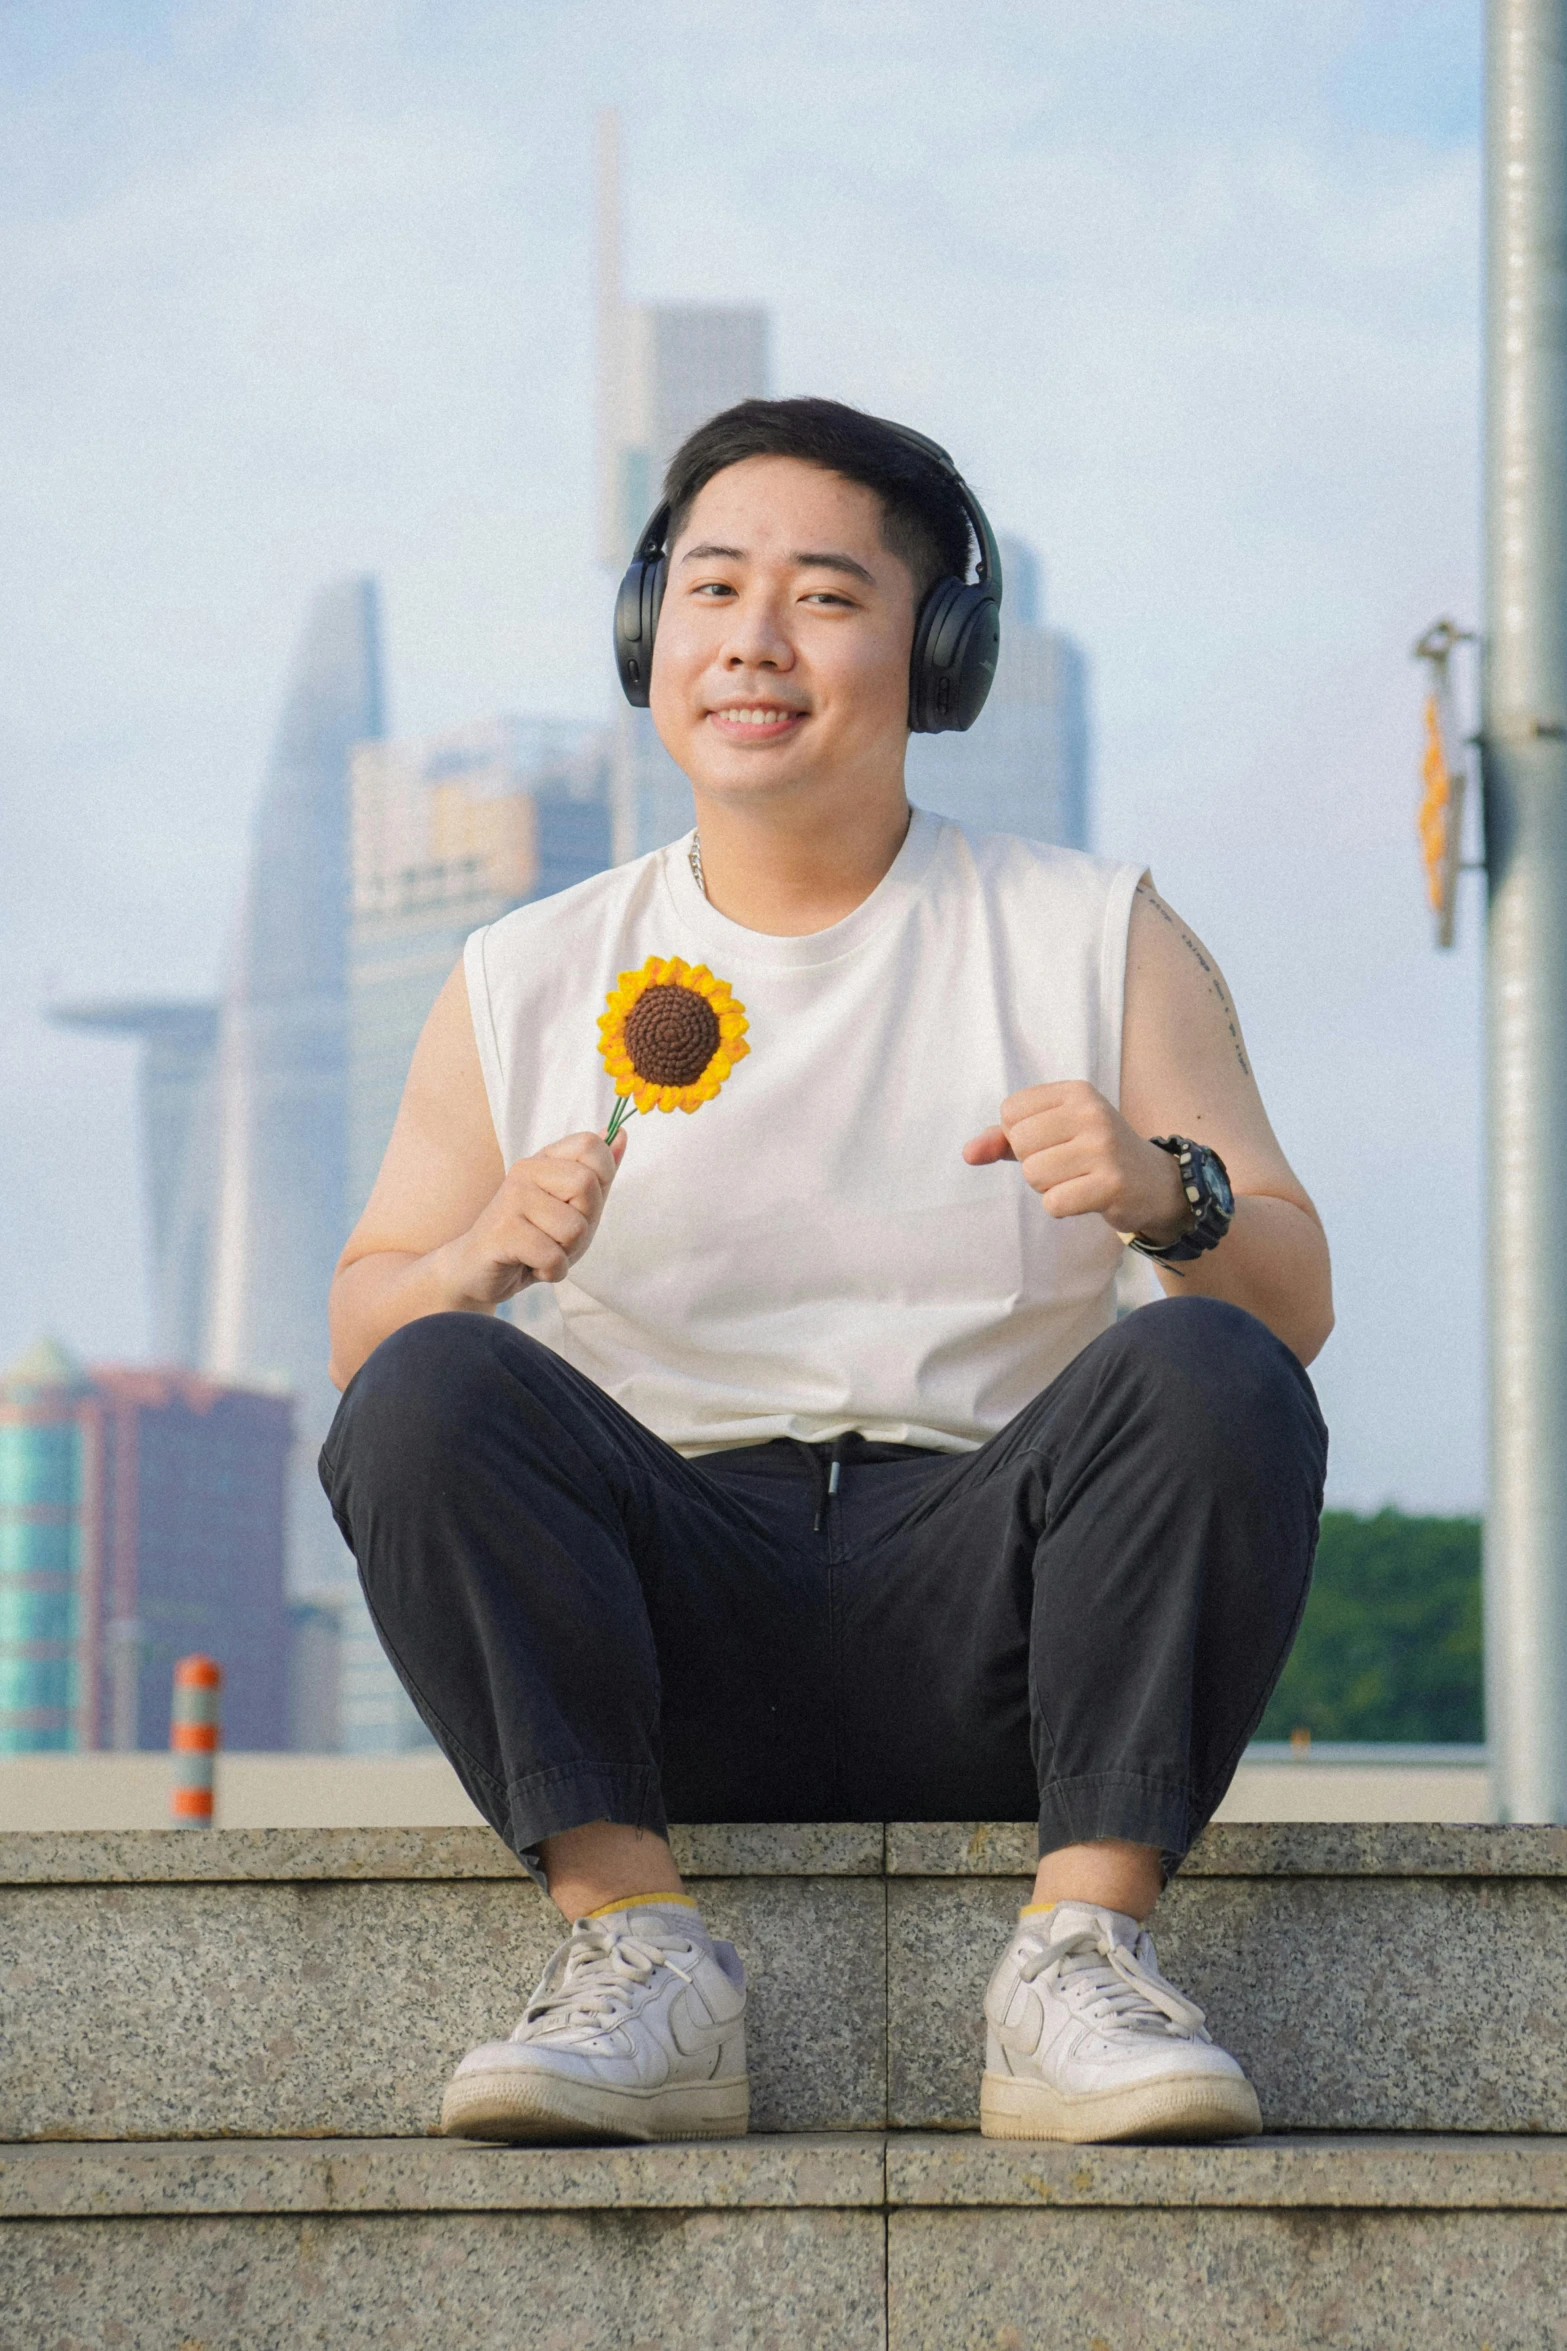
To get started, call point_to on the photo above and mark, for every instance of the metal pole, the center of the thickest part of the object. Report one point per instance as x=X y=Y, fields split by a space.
x=1524 y=730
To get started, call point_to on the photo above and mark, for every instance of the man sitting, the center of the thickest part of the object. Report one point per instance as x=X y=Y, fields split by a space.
x=840 y=1492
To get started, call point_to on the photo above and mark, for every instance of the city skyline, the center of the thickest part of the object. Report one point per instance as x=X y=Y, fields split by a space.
x=307 y=297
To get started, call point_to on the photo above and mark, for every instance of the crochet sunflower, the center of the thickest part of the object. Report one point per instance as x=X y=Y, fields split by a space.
x=669 y=1036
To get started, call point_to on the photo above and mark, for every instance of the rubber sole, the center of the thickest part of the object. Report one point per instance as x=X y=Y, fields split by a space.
x=518 y=2107
x=1174 y=2106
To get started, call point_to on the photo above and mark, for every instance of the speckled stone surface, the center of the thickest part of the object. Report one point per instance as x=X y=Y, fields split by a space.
x=339 y=2008
x=864 y=2170
x=556 y=2281
x=944 y=1937
x=845 y=2168
x=830 y=1849
x=1392 y=2003
x=961 y=1848
x=1404 y=2244
x=83 y=1857
x=324 y=1982
x=1206 y=2280
x=202 y=1856
x=1375 y=2172
x=1392 y=1849
x=967 y=1848
x=816 y=2016
x=821 y=1849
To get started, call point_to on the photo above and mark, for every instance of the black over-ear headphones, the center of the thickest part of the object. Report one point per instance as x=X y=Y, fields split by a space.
x=957 y=630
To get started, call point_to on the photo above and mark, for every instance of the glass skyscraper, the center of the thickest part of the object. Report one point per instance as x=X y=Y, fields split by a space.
x=663 y=369
x=282 y=1209
x=449 y=834
x=141 y=1517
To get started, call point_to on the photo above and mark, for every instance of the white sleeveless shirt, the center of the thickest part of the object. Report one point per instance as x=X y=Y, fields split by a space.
x=808 y=1253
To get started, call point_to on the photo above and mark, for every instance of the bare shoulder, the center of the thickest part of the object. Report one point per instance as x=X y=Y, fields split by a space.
x=443 y=1162
x=1167 y=961
x=1185 y=1068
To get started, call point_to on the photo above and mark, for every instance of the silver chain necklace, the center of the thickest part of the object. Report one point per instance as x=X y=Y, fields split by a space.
x=695 y=854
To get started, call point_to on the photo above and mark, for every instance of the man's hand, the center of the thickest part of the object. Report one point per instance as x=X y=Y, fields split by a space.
x=1083 y=1159
x=538 y=1224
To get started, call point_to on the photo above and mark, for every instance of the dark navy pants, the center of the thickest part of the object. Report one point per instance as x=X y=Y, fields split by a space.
x=1083 y=1620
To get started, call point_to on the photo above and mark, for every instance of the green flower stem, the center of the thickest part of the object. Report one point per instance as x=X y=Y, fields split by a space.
x=624 y=1108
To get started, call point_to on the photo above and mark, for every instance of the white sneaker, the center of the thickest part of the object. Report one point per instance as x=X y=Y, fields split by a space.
x=636 y=2031
x=1085 y=2040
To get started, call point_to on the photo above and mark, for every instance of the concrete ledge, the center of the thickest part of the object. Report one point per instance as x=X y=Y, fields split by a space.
x=859 y=2243
x=1374 y=2172
x=189 y=1857
x=1252 y=2280
x=566 y=2280
x=864 y=2170
x=139 y=2179
x=1250 y=1849
x=322 y=1983
x=896 y=1849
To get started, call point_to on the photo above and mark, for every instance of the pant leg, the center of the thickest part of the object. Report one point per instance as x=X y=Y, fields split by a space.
x=585 y=1622
x=1091 y=1612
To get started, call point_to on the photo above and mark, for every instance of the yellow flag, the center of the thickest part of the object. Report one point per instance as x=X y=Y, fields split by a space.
x=1436 y=810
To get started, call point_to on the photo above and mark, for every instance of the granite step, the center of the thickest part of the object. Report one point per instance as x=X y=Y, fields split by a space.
x=856 y=2241
x=321 y=1983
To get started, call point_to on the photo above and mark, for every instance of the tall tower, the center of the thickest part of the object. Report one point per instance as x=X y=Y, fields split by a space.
x=663 y=369
x=282 y=1130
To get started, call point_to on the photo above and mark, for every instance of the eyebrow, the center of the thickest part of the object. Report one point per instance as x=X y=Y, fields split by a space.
x=828 y=559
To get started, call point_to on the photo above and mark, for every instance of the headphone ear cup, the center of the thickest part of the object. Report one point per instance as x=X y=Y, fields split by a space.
x=637 y=607
x=957 y=638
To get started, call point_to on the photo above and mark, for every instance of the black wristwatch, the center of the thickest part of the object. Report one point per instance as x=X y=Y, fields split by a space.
x=1206 y=1184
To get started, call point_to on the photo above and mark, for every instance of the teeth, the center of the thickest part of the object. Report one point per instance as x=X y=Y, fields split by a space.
x=758 y=718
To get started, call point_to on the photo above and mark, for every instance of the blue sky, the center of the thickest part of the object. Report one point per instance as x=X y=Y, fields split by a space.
x=1189 y=286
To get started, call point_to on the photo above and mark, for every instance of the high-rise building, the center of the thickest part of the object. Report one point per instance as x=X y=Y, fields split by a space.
x=282 y=1202
x=448 y=834
x=1023 y=767
x=663 y=369
x=175 y=1088
x=244 y=1103
x=141 y=1517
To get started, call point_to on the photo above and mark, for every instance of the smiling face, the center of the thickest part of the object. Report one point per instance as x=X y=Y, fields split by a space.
x=781 y=664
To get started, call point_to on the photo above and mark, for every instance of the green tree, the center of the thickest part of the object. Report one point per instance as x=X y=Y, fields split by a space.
x=1389 y=1647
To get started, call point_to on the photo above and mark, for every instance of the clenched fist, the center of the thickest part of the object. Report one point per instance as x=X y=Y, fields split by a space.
x=538 y=1224
x=1083 y=1159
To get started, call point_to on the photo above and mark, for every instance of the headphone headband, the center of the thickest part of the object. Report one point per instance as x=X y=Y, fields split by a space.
x=988 y=564
x=957 y=630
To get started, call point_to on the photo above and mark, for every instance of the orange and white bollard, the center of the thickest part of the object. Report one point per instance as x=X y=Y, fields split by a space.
x=193 y=1740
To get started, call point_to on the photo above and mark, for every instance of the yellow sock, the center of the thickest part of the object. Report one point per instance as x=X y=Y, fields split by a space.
x=641 y=1902
x=1035 y=1909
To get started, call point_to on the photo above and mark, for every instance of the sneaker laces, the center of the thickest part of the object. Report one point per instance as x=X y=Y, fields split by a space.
x=1111 y=1984
x=588 y=1982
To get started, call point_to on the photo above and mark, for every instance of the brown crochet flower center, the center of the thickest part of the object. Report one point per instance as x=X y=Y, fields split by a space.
x=671 y=1035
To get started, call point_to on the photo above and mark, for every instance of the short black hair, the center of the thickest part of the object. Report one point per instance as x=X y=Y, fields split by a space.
x=924 y=521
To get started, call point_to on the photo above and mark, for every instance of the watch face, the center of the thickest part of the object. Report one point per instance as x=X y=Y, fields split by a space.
x=1218 y=1183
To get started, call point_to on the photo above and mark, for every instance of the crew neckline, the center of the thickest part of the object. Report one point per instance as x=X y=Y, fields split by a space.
x=734 y=943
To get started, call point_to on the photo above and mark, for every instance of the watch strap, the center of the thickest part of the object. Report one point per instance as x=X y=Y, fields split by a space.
x=1196 y=1163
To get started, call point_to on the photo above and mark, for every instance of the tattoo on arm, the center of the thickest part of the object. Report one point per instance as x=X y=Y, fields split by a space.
x=1152 y=899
